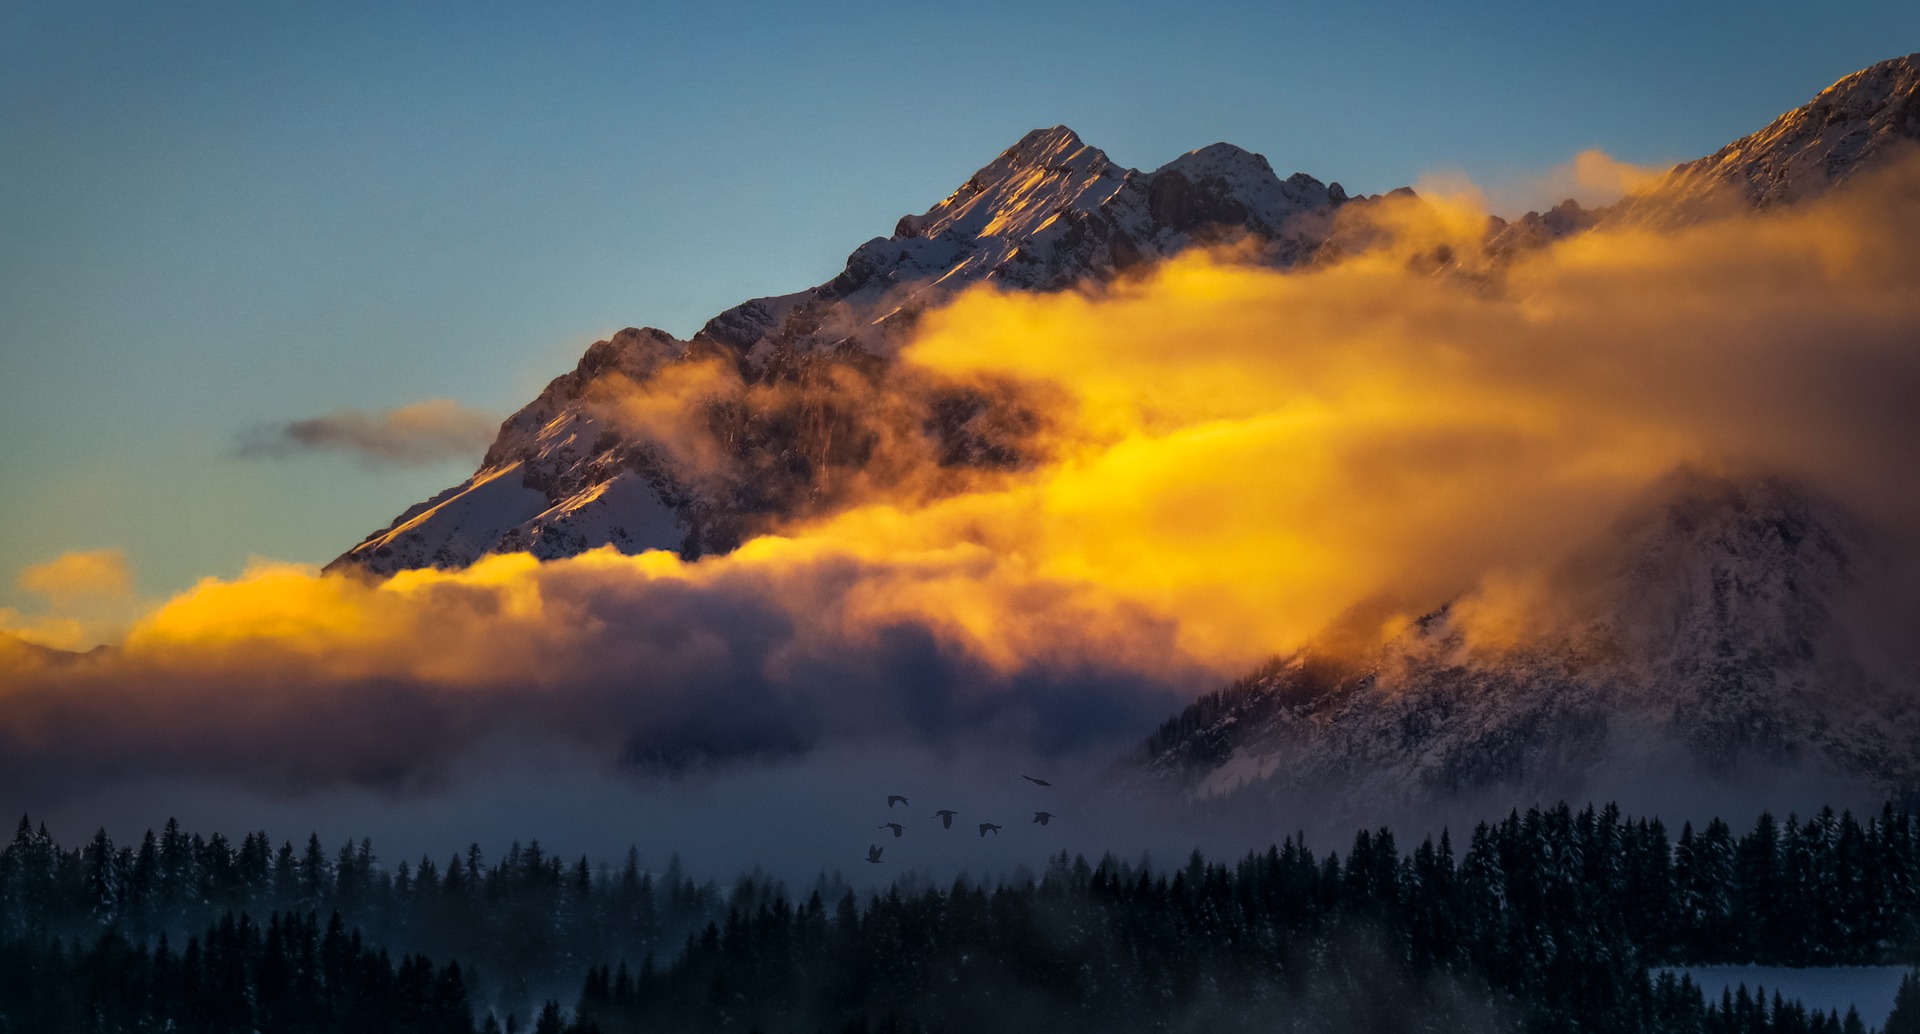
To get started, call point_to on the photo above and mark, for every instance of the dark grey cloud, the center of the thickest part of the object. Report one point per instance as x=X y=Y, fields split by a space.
x=418 y=433
x=642 y=677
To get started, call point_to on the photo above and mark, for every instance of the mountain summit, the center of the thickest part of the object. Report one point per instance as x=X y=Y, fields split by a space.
x=1049 y=212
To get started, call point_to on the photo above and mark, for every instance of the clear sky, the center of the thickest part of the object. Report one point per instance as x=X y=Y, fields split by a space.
x=219 y=216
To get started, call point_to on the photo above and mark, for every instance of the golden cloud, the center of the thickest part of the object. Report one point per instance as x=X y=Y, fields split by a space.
x=99 y=572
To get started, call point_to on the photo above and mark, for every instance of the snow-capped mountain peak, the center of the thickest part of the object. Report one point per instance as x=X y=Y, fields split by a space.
x=1047 y=172
x=1048 y=213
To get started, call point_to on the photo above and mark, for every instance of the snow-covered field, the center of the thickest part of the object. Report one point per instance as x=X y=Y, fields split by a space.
x=1867 y=988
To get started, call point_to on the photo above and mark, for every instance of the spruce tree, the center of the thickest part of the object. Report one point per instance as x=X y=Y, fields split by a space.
x=1905 y=1017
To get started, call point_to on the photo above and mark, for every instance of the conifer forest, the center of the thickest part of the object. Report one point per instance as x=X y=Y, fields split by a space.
x=1552 y=920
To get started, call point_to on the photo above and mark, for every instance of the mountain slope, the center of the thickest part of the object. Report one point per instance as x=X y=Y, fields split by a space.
x=17 y=653
x=1850 y=126
x=1706 y=620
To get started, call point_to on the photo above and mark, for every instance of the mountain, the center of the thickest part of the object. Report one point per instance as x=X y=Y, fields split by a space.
x=18 y=653
x=794 y=405
x=566 y=474
x=1708 y=621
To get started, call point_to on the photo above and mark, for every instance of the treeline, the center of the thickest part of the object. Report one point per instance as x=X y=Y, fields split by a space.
x=289 y=977
x=1548 y=921
x=525 y=925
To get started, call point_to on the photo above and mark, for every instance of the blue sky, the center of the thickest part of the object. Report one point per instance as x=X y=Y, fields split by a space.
x=217 y=216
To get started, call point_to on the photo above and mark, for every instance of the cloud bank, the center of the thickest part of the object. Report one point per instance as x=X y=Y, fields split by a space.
x=1230 y=461
x=89 y=598
x=1593 y=178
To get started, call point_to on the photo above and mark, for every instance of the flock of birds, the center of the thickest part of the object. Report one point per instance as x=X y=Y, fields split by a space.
x=946 y=820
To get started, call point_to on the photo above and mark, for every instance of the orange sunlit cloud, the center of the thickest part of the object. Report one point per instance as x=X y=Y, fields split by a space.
x=89 y=596
x=1593 y=178
x=99 y=572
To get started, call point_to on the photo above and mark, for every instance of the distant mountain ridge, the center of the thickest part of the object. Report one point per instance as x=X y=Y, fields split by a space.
x=566 y=475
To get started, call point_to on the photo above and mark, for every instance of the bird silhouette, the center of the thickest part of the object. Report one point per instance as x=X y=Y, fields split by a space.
x=1036 y=782
x=894 y=798
x=873 y=853
x=1042 y=816
x=897 y=828
x=946 y=817
x=988 y=827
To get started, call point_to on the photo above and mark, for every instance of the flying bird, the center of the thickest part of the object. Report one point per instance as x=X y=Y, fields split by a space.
x=897 y=828
x=873 y=853
x=1036 y=782
x=1042 y=816
x=946 y=817
x=988 y=827
x=894 y=798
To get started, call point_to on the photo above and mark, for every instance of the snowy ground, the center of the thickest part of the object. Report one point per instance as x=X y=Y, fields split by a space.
x=1867 y=988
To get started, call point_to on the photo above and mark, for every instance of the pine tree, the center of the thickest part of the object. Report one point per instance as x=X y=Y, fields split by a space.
x=550 y=1021
x=103 y=880
x=1905 y=1017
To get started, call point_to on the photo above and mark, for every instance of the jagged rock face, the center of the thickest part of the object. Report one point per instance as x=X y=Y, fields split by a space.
x=811 y=404
x=1049 y=213
x=1849 y=126
x=1708 y=619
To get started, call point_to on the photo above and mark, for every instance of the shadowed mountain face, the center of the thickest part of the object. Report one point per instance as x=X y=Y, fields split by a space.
x=1707 y=621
